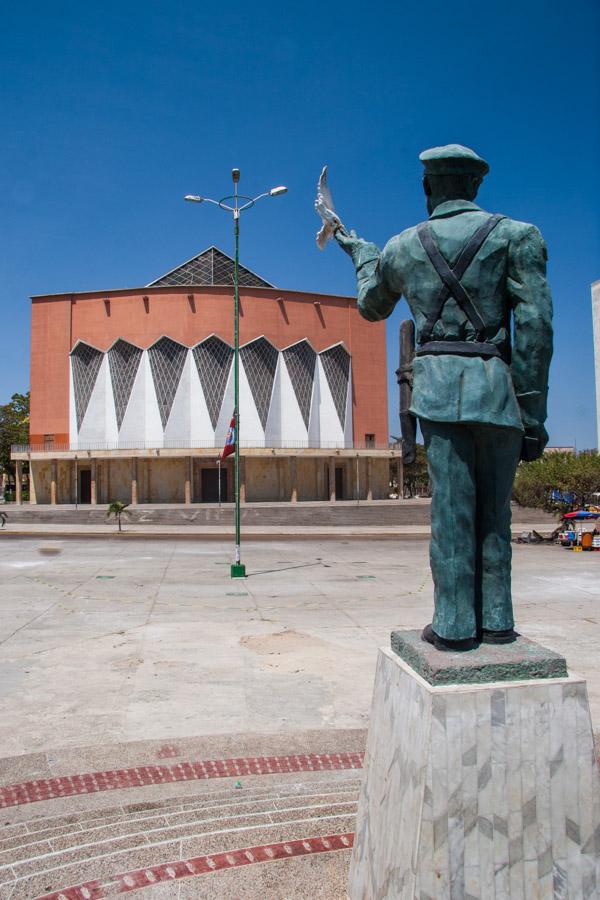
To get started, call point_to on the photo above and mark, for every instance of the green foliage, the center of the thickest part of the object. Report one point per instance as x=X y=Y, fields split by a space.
x=570 y=473
x=116 y=509
x=14 y=427
x=416 y=476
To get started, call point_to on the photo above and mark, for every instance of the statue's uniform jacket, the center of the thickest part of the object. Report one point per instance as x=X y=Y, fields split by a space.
x=477 y=413
x=507 y=275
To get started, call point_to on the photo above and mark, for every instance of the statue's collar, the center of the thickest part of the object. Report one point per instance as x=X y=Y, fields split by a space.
x=453 y=207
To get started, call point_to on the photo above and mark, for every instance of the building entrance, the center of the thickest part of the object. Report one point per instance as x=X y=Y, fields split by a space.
x=209 y=479
x=85 y=486
x=339 y=483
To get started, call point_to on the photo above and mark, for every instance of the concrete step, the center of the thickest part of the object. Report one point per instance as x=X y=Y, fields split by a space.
x=403 y=512
x=149 y=844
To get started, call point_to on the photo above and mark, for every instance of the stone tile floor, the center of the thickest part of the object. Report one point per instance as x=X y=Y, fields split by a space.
x=110 y=642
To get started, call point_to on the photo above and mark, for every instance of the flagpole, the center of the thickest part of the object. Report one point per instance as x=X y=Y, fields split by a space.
x=238 y=569
x=219 y=473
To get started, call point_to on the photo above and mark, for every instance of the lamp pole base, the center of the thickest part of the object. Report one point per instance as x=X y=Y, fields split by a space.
x=238 y=570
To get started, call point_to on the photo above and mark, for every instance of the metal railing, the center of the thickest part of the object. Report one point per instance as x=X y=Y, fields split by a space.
x=250 y=444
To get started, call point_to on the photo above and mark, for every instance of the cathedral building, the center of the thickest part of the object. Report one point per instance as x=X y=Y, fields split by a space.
x=132 y=393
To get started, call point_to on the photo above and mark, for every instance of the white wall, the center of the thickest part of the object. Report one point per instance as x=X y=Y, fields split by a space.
x=189 y=421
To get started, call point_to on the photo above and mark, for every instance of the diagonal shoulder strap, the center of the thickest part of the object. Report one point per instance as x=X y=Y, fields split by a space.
x=451 y=284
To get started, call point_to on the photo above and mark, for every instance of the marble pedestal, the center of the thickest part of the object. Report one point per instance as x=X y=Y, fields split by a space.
x=486 y=790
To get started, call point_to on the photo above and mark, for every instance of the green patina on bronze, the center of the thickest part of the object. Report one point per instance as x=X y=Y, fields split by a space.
x=480 y=379
x=520 y=661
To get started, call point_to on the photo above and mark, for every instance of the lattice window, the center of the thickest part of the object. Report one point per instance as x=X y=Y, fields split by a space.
x=210 y=268
x=300 y=360
x=167 y=359
x=85 y=362
x=123 y=361
x=336 y=362
x=213 y=360
x=260 y=362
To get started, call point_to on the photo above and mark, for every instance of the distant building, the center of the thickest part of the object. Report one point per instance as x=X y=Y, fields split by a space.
x=132 y=392
x=596 y=319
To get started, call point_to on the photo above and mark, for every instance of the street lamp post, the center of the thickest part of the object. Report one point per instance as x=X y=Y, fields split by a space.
x=238 y=569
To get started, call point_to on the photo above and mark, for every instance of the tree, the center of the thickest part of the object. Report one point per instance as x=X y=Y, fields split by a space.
x=116 y=509
x=14 y=427
x=416 y=475
x=574 y=474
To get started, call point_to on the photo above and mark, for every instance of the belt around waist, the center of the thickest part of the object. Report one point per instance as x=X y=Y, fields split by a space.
x=458 y=348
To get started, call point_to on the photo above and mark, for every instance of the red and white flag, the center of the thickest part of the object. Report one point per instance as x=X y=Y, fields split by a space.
x=229 y=447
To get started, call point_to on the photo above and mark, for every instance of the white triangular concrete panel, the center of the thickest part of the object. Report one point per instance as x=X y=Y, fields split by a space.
x=252 y=434
x=112 y=428
x=153 y=434
x=202 y=432
x=177 y=430
x=348 y=437
x=293 y=431
x=273 y=429
x=225 y=413
x=330 y=428
x=73 y=435
x=93 y=431
x=314 y=422
x=132 y=431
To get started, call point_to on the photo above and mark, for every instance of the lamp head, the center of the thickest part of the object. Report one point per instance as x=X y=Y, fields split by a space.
x=193 y=198
x=276 y=191
x=235 y=175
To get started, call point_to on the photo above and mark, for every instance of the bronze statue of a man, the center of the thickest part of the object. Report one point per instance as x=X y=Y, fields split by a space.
x=476 y=287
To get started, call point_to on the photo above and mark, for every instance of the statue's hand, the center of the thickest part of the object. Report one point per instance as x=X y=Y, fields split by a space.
x=349 y=241
x=534 y=441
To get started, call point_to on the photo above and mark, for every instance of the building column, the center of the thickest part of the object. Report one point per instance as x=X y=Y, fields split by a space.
x=73 y=470
x=293 y=479
x=134 y=481
x=94 y=484
x=53 y=478
x=187 y=487
x=369 y=478
x=242 y=479
x=109 y=499
x=280 y=463
x=32 y=494
x=319 y=473
x=332 y=497
x=18 y=482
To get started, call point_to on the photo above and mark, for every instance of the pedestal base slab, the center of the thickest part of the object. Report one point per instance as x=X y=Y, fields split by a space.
x=477 y=791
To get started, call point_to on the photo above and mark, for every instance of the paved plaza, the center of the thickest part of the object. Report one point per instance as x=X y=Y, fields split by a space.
x=162 y=726
x=111 y=641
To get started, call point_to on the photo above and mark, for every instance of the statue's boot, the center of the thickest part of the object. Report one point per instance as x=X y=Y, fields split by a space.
x=498 y=637
x=445 y=644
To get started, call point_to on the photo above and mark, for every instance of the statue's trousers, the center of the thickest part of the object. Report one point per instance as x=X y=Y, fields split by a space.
x=472 y=469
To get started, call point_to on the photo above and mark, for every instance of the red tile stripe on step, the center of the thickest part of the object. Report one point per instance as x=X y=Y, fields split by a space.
x=202 y=865
x=140 y=776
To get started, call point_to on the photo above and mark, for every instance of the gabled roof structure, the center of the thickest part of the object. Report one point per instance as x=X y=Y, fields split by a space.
x=212 y=267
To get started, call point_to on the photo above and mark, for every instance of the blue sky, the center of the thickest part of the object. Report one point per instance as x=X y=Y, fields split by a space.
x=112 y=112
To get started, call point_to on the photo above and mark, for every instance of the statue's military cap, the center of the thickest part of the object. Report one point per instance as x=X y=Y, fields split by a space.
x=453 y=159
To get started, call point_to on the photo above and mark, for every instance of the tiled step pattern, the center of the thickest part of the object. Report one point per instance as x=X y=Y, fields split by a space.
x=145 y=845
x=203 y=865
x=139 y=776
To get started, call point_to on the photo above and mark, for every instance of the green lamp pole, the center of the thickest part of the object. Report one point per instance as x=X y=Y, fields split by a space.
x=238 y=569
